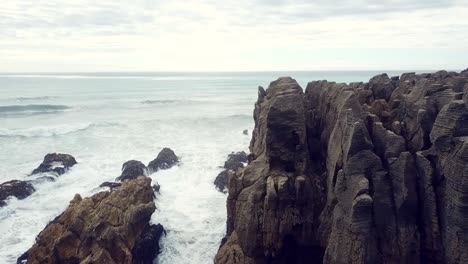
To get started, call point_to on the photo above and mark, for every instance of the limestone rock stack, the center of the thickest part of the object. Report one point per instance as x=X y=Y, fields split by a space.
x=371 y=172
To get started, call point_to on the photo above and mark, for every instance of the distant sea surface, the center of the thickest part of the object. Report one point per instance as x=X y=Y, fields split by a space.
x=105 y=119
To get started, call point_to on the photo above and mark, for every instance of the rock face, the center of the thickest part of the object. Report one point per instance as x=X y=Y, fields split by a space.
x=16 y=188
x=132 y=169
x=362 y=173
x=55 y=162
x=165 y=160
x=233 y=163
x=109 y=227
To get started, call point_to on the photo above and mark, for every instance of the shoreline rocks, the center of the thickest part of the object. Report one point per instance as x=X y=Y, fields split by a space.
x=108 y=227
x=131 y=170
x=233 y=163
x=371 y=172
x=166 y=159
x=55 y=162
x=15 y=188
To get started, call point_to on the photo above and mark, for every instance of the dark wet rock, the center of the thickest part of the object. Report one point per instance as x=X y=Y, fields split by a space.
x=147 y=246
x=42 y=179
x=245 y=132
x=156 y=187
x=221 y=181
x=108 y=227
x=340 y=175
x=15 y=188
x=234 y=162
x=165 y=160
x=132 y=169
x=111 y=185
x=55 y=162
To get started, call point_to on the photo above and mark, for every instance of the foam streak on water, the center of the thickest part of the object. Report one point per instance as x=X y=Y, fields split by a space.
x=105 y=120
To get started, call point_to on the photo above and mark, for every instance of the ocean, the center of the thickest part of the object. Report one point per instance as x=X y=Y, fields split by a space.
x=105 y=119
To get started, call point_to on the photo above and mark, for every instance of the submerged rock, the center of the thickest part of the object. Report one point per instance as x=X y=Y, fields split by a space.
x=165 y=160
x=234 y=162
x=362 y=173
x=15 y=188
x=55 y=162
x=108 y=227
x=245 y=132
x=132 y=169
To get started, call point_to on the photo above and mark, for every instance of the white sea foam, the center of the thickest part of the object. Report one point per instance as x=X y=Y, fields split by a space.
x=104 y=136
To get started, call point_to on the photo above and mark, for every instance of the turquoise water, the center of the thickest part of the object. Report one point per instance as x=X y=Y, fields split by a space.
x=107 y=119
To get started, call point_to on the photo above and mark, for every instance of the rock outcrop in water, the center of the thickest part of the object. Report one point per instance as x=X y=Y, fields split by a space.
x=15 y=188
x=131 y=170
x=55 y=162
x=166 y=159
x=234 y=162
x=371 y=172
x=109 y=227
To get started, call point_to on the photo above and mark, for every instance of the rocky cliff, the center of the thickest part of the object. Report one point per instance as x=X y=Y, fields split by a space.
x=371 y=172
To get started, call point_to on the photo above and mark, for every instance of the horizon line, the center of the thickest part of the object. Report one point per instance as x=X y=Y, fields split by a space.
x=233 y=71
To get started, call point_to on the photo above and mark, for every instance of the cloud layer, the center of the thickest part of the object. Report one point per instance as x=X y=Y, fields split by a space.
x=232 y=35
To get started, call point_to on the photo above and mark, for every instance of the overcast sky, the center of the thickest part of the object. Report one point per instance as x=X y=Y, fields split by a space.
x=232 y=35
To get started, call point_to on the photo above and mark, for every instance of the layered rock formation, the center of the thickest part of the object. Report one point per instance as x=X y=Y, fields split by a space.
x=109 y=227
x=371 y=172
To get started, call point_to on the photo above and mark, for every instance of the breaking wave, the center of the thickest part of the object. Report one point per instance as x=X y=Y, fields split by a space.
x=32 y=108
x=49 y=131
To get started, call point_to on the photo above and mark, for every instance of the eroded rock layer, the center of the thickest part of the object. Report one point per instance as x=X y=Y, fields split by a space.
x=108 y=227
x=371 y=172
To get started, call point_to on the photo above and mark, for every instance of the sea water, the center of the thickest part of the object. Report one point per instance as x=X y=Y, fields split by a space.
x=105 y=119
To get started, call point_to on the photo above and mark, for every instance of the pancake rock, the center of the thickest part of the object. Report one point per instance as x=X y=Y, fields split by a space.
x=55 y=162
x=166 y=159
x=362 y=173
x=108 y=227
x=15 y=188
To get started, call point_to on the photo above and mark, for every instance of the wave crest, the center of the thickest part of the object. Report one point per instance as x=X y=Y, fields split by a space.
x=49 y=131
x=32 y=108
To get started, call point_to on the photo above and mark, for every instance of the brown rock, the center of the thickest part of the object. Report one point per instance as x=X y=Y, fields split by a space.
x=104 y=228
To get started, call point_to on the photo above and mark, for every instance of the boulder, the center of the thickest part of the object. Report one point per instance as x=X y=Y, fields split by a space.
x=165 y=160
x=15 y=188
x=108 y=227
x=131 y=170
x=55 y=162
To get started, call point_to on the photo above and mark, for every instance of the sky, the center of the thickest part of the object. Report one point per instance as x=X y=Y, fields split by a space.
x=232 y=35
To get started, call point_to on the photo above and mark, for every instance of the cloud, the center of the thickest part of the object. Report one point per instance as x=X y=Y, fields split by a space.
x=209 y=34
